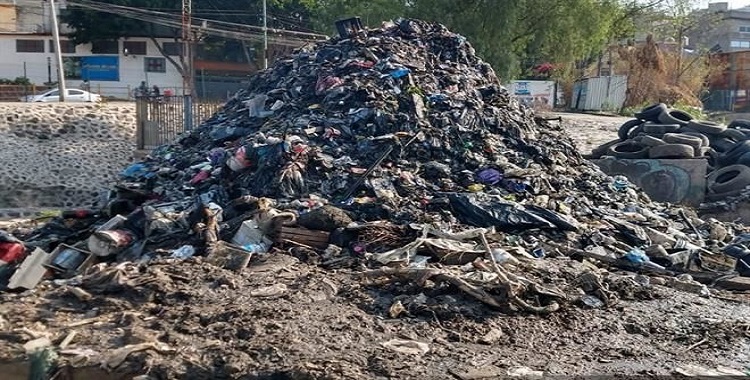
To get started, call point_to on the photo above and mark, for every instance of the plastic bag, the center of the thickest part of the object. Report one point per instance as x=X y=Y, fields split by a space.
x=482 y=210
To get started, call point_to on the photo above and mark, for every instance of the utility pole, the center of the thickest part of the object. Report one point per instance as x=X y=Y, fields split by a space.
x=58 y=53
x=265 y=36
x=187 y=75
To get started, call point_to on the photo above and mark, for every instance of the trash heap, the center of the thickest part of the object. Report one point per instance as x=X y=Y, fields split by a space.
x=397 y=152
x=659 y=132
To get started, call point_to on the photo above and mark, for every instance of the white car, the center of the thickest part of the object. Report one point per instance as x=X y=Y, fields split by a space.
x=73 y=95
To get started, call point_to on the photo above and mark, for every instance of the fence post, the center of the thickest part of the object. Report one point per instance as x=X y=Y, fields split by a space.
x=140 y=125
x=188 y=112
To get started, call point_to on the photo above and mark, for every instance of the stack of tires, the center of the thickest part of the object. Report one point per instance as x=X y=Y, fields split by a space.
x=659 y=132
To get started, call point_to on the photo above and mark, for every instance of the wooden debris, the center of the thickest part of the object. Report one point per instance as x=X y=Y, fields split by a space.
x=80 y=293
x=115 y=358
x=312 y=238
x=68 y=339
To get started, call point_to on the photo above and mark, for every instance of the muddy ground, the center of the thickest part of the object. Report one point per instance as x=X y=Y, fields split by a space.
x=284 y=319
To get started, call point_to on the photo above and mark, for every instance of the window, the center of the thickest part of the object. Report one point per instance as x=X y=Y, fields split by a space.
x=66 y=47
x=75 y=92
x=155 y=65
x=53 y=93
x=135 y=47
x=745 y=29
x=29 y=46
x=172 y=48
x=105 y=47
x=739 y=44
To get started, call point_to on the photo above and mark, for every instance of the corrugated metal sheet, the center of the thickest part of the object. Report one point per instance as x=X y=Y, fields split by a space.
x=600 y=93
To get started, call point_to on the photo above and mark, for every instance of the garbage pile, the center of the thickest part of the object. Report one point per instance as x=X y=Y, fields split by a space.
x=394 y=151
x=659 y=132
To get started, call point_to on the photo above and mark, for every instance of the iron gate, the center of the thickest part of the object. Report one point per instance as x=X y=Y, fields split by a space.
x=160 y=119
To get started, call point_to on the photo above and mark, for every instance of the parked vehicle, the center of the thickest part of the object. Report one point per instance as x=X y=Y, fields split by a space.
x=73 y=95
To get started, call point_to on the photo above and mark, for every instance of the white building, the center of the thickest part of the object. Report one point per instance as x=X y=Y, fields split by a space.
x=113 y=68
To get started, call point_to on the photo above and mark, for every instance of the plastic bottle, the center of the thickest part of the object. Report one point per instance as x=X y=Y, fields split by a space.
x=256 y=247
x=637 y=256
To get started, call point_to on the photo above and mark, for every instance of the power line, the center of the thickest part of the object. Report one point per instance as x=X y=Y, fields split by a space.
x=110 y=8
x=170 y=21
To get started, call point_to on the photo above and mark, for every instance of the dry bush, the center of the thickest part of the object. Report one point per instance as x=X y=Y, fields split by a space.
x=654 y=74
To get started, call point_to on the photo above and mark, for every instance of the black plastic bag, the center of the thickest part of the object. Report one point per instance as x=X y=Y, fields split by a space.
x=482 y=210
x=562 y=222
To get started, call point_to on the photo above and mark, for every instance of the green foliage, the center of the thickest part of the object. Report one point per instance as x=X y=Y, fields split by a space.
x=695 y=112
x=19 y=81
x=512 y=35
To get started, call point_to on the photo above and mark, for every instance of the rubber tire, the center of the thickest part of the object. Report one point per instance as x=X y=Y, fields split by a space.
x=744 y=159
x=650 y=141
x=739 y=123
x=722 y=144
x=728 y=181
x=601 y=150
x=625 y=129
x=675 y=151
x=635 y=131
x=713 y=159
x=704 y=139
x=655 y=129
x=732 y=155
x=640 y=151
x=707 y=127
x=745 y=131
x=703 y=151
x=673 y=116
x=678 y=138
x=651 y=113
x=713 y=197
x=734 y=134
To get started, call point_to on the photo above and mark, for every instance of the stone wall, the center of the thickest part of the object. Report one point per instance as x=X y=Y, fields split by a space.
x=62 y=155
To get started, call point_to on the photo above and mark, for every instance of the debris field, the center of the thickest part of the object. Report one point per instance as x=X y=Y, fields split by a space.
x=377 y=206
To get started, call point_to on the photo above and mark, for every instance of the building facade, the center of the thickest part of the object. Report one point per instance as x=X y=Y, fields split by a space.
x=729 y=32
x=110 y=68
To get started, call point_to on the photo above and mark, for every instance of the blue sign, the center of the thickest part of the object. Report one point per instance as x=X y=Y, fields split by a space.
x=522 y=88
x=100 y=68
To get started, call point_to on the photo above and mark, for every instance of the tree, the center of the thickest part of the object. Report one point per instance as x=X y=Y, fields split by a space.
x=513 y=35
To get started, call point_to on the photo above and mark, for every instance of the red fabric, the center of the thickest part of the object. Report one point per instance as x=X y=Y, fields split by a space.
x=11 y=252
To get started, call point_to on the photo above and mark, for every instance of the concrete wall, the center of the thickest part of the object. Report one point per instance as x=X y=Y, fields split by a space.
x=62 y=155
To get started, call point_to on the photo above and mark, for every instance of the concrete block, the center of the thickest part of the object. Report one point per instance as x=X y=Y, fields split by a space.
x=676 y=181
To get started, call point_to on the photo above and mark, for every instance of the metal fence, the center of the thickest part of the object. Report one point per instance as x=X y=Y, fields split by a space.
x=16 y=93
x=727 y=100
x=209 y=91
x=161 y=119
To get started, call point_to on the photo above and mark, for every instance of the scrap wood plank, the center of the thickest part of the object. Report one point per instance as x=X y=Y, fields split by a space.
x=313 y=238
x=735 y=283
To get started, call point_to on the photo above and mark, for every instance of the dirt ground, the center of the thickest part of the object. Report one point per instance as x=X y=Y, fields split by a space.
x=587 y=130
x=284 y=319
